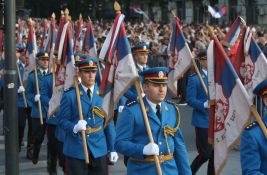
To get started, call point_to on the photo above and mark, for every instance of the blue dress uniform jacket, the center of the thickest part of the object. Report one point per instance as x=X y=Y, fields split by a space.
x=132 y=137
x=98 y=142
x=45 y=87
x=20 y=97
x=253 y=150
x=196 y=98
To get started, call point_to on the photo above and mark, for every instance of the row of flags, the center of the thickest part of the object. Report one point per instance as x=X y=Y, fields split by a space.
x=231 y=80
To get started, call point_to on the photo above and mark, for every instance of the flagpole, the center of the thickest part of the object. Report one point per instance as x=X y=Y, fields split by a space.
x=21 y=83
x=98 y=63
x=253 y=109
x=86 y=156
x=198 y=72
x=139 y=93
x=194 y=64
x=148 y=128
x=38 y=93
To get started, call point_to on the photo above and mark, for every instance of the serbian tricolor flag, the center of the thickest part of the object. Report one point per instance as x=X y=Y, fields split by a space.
x=120 y=71
x=59 y=32
x=78 y=41
x=181 y=56
x=89 y=45
x=254 y=69
x=137 y=10
x=216 y=12
x=51 y=40
x=230 y=104
x=233 y=33
x=65 y=71
x=31 y=50
x=44 y=36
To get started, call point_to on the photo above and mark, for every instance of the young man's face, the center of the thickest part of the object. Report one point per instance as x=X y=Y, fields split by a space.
x=203 y=64
x=87 y=77
x=141 y=58
x=155 y=92
x=43 y=63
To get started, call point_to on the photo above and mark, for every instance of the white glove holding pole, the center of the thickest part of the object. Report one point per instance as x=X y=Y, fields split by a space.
x=206 y=104
x=113 y=157
x=80 y=126
x=37 y=97
x=21 y=89
x=151 y=149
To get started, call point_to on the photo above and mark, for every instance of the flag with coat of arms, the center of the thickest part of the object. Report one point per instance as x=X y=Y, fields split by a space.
x=65 y=71
x=181 y=55
x=120 y=71
x=230 y=107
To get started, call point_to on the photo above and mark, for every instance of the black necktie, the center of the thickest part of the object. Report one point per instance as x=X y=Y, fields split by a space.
x=158 y=111
x=89 y=94
x=44 y=73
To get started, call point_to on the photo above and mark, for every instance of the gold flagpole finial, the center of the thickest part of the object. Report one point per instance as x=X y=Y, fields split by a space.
x=89 y=19
x=30 y=22
x=66 y=12
x=80 y=17
x=53 y=15
x=173 y=14
x=117 y=7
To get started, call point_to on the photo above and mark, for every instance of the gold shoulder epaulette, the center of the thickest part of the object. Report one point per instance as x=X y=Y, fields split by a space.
x=99 y=112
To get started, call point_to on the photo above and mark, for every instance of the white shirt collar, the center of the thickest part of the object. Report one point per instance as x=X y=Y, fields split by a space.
x=91 y=89
x=153 y=105
x=205 y=71
x=42 y=70
x=141 y=67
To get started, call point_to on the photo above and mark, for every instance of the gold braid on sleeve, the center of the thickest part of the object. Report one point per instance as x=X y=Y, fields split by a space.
x=171 y=131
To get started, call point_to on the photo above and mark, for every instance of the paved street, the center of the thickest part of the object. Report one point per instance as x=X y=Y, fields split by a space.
x=27 y=168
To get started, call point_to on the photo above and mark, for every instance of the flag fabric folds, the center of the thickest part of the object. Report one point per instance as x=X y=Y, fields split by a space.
x=231 y=108
x=65 y=71
x=78 y=41
x=232 y=35
x=31 y=50
x=253 y=70
x=89 y=45
x=181 y=55
x=120 y=71
x=216 y=12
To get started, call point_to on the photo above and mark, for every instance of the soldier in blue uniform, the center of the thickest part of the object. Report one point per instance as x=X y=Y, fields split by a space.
x=140 y=54
x=100 y=140
x=22 y=113
x=253 y=149
x=164 y=118
x=198 y=100
x=45 y=88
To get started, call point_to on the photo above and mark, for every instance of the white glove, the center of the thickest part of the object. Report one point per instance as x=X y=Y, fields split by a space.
x=113 y=157
x=151 y=149
x=120 y=108
x=21 y=89
x=37 y=97
x=80 y=126
x=206 y=104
